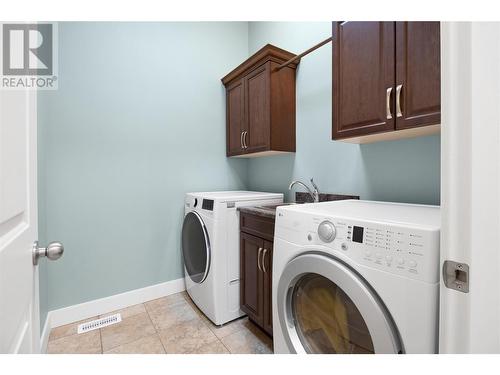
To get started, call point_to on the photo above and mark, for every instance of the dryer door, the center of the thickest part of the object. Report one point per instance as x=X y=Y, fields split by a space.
x=195 y=247
x=326 y=307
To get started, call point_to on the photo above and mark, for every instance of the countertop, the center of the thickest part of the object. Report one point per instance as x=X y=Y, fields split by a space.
x=269 y=211
x=263 y=211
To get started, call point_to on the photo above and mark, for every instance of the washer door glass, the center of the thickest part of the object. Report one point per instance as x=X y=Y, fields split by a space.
x=195 y=247
x=324 y=306
x=327 y=321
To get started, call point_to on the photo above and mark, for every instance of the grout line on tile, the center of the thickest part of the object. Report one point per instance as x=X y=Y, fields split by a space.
x=157 y=331
x=55 y=339
x=100 y=340
x=148 y=309
x=139 y=339
x=63 y=337
x=151 y=320
x=161 y=342
x=224 y=345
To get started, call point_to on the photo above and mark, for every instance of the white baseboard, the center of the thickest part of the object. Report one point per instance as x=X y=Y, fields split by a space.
x=105 y=305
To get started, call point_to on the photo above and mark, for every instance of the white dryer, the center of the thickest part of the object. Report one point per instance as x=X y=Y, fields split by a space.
x=211 y=249
x=356 y=277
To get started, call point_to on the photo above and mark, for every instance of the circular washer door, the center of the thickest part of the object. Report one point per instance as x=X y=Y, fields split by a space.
x=195 y=247
x=326 y=307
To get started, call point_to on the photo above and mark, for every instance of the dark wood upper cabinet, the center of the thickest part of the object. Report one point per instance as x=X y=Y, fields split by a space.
x=260 y=105
x=363 y=68
x=386 y=80
x=418 y=74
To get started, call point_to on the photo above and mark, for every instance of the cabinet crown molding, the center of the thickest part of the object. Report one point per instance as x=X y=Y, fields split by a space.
x=265 y=54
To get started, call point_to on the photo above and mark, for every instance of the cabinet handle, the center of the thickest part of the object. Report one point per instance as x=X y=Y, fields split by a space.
x=245 y=133
x=388 y=103
x=258 y=259
x=241 y=139
x=398 y=101
x=264 y=261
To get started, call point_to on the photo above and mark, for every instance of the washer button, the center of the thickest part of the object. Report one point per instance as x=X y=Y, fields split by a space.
x=344 y=247
x=412 y=264
x=378 y=256
x=401 y=261
x=388 y=258
x=368 y=254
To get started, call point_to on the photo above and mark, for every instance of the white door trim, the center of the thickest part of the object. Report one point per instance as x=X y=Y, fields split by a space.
x=470 y=184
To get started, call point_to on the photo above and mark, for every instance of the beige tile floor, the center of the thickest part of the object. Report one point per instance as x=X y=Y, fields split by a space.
x=170 y=324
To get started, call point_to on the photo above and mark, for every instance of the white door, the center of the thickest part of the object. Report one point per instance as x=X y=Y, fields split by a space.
x=470 y=184
x=19 y=310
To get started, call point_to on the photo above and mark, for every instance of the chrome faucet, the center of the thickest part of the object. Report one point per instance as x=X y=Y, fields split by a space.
x=314 y=194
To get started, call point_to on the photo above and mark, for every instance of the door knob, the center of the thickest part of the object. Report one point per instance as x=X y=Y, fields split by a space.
x=53 y=251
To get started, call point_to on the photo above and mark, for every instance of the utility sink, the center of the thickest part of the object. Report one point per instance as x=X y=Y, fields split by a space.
x=300 y=197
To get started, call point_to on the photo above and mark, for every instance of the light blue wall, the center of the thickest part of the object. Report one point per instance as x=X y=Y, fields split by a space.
x=138 y=120
x=405 y=170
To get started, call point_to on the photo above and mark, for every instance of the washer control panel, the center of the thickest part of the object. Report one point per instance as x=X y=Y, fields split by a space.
x=399 y=248
x=407 y=251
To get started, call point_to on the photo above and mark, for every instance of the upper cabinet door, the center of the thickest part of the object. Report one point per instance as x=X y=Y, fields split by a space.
x=235 y=120
x=418 y=74
x=258 y=109
x=363 y=78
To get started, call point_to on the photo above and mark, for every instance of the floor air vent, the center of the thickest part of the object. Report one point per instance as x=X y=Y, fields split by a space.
x=99 y=323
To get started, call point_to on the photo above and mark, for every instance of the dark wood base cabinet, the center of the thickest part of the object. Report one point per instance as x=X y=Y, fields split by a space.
x=386 y=80
x=256 y=263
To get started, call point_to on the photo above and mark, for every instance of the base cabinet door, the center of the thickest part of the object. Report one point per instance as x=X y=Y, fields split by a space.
x=418 y=74
x=363 y=78
x=267 y=266
x=251 y=296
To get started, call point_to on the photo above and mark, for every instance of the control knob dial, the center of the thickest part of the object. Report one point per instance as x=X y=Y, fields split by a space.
x=327 y=231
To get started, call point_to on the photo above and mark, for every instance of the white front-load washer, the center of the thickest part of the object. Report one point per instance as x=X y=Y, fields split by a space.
x=356 y=277
x=211 y=249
